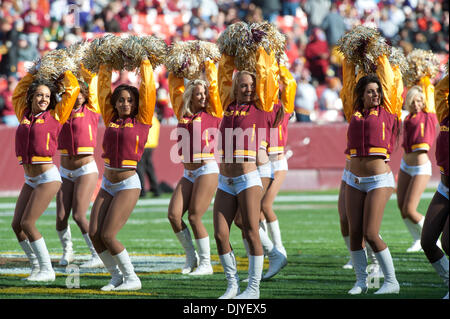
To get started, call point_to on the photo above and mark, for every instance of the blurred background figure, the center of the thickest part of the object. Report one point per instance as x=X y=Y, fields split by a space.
x=317 y=54
x=306 y=97
x=145 y=167
x=7 y=114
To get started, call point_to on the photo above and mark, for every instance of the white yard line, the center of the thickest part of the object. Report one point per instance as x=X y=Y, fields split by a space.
x=278 y=199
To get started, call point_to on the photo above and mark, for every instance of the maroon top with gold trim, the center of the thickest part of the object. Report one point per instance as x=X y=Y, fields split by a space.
x=442 y=152
x=197 y=137
x=372 y=132
x=124 y=139
x=244 y=127
x=419 y=132
x=79 y=134
x=37 y=135
x=197 y=132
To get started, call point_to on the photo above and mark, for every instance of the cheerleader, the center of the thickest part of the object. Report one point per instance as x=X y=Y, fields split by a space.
x=348 y=99
x=419 y=132
x=248 y=101
x=279 y=167
x=277 y=260
x=370 y=182
x=436 y=218
x=41 y=118
x=199 y=113
x=127 y=114
x=76 y=142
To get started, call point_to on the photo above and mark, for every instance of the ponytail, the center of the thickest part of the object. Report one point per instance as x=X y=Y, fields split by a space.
x=279 y=116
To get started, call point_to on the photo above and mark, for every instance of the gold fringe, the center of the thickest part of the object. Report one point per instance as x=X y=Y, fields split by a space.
x=421 y=63
x=398 y=58
x=185 y=58
x=241 y=40
x=362 y=46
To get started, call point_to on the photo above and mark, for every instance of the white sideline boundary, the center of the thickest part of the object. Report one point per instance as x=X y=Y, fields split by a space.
x=278 y=199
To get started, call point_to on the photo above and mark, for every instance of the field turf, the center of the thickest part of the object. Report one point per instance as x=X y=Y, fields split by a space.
x=310 y=231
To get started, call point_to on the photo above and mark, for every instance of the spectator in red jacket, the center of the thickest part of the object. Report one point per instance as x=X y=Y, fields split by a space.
x=34 y=18
x=8 y=115
x=317 y=54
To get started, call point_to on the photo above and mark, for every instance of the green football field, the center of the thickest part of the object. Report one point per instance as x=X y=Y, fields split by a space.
x=310 y=231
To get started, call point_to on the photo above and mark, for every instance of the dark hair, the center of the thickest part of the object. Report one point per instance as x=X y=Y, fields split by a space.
x=125 y=87
x=32 y=90
x=84 y=90
x=359 y=104
x=360 y=88
x=279 y=116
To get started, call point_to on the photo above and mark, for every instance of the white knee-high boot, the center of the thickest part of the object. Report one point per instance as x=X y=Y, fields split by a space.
x=359 y=261
x=375 y=269
x=263 y=224
x=25 y=244
x=275 y=233
x=266 y=243
x=390 y=285
x=46 y=272
x=130 y=280
x=349 y=264
x=113 y=269
x=228 y=262
x=255 y=267
x=185 y=239
x=277 y=260
x=95 y=260
x=204 y=253
x=65 y=237
x=416 y=231
x=441 y=267
x=246 y=246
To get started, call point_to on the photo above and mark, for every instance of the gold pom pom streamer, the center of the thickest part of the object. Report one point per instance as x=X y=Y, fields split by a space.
x=185 y=58
x=132 y=53
x=155 y=48
x=362 y=46
x=117 y=52
x=104 y=50
x=242 y=40
x=399 y=59
x=52 y=65
x=421 y=63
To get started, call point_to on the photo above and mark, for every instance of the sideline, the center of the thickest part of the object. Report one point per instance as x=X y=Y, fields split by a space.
x=278 y=199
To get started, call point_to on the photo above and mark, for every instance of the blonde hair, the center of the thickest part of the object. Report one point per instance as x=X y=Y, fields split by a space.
x=187 y=95
x=412 y=93
x=234 y=85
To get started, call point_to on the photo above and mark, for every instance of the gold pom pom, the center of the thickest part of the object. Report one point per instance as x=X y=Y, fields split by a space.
x=362 y=46
x=185 y=58
x=52 y=65
x=398 y=58
x=242 y=40
x=155 y=48
x=421 y=63
x=105 y=50
x=132 y=53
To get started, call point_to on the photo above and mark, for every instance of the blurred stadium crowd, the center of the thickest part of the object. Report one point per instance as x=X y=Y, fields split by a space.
x=30 y=28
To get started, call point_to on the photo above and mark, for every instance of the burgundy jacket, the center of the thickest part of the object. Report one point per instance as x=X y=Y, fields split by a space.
x=197 y=136
x=442 y=147
x=419 y=132
x=79 y=134
x=372 y=133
